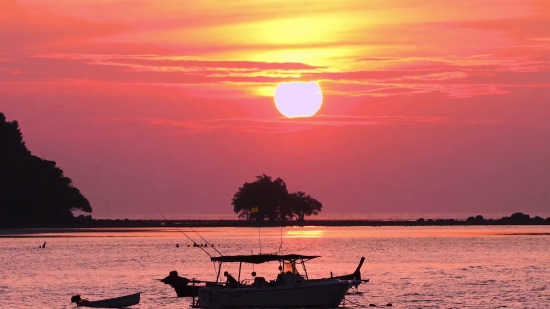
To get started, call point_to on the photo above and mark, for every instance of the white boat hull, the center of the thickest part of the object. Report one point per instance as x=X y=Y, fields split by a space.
x=327 y=293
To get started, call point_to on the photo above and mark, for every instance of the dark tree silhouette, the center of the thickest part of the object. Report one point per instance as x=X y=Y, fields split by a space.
x=303 y=205
x=269 y=199
x=264 y=195
x=32 y=190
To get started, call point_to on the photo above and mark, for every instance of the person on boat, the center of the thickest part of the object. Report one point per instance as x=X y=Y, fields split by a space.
x=232 y=282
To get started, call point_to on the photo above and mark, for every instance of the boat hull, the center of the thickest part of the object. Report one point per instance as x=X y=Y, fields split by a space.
x=118 y=302
x=327 y=293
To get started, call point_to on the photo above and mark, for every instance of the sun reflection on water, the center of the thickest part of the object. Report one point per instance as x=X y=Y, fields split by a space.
x=305 y=233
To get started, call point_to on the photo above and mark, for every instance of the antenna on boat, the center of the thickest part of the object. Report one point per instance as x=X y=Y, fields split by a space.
x=209 y=244
x=260 y=240
x=281 y=245
x=253 y=263
x=188 y=237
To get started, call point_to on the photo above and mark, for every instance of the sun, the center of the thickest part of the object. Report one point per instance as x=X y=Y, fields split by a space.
x=298 y=99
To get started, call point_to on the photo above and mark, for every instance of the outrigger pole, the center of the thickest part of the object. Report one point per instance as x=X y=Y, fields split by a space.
x=189 y=238
x=206 y=241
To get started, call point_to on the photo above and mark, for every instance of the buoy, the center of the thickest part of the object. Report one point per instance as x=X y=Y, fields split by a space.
x=177 y=245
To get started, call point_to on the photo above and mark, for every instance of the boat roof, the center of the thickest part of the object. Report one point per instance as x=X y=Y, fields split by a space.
x=261 y=258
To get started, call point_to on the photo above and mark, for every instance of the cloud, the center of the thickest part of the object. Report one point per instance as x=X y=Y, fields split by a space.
x=284 y=125
x=519 y=29
x=482 y=75
x=24 y=29
x=377 y=59
x=167 y=62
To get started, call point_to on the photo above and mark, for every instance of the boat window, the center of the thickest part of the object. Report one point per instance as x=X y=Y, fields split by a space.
x=290 y=267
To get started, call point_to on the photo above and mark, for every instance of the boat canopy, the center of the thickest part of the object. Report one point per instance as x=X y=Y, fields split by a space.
x=261 y=258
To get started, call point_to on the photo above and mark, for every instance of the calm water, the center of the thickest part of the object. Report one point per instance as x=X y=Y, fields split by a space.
x=410 y=267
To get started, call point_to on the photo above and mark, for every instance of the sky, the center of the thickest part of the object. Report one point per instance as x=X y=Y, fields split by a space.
x=167 y=107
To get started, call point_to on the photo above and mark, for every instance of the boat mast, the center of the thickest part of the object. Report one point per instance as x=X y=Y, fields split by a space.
x=219 y=270
x=240 y=264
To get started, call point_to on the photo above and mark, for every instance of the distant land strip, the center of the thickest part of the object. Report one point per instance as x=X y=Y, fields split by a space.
x=88 y=222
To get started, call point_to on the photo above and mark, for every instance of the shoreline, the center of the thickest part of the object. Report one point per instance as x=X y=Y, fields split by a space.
x=131 y=231
x=144 y=224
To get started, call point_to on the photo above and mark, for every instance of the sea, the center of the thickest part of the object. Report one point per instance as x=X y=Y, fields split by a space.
x=407 y=267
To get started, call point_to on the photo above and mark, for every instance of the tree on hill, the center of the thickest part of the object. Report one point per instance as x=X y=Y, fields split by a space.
x=269 y=199
x=33 y=190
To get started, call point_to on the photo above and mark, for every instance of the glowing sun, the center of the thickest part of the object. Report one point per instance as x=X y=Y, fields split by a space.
x=298 y=99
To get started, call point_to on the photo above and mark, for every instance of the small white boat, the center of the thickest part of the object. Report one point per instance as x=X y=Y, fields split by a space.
x=117 y=302
x=289 y=290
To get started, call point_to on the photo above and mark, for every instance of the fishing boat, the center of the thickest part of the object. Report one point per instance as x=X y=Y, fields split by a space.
x=117 y=302
x=289 y=289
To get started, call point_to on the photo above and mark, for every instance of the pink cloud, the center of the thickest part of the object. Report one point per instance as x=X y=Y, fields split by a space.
x=27 y=30
x=284 y=125
x=519 y=29
x=237 y=78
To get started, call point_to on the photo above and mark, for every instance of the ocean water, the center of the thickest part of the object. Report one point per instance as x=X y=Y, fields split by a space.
x=410 y=267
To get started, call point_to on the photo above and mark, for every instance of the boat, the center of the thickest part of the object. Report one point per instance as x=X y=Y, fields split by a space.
x=117 y=302
x=181 y=284
x=289 y=289
x=356 y=275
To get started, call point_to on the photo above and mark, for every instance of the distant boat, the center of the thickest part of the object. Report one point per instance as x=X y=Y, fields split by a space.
x=117 y=302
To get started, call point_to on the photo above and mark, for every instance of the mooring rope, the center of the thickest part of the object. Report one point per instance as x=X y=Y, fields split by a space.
x=354 y=303
x=368 y=304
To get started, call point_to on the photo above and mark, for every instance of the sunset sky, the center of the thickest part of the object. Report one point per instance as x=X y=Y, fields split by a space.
x=166 y=107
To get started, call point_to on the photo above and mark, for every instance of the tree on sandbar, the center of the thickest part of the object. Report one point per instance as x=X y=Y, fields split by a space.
x=269 y=199
x=303 y=205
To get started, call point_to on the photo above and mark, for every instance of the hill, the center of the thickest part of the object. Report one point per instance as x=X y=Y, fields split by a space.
x=33 y=190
